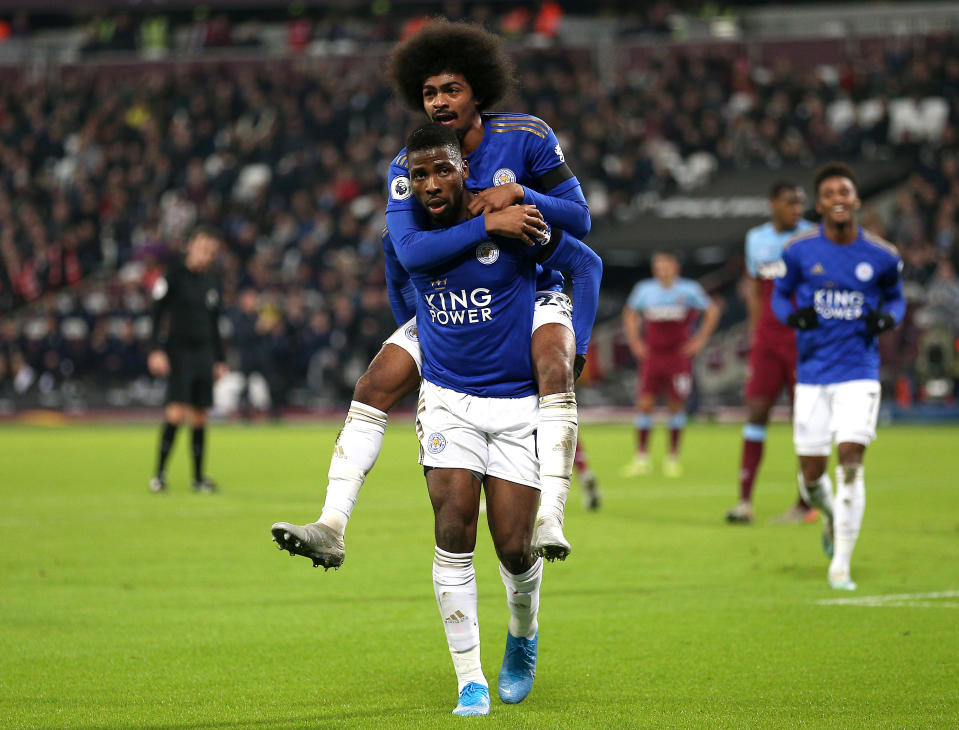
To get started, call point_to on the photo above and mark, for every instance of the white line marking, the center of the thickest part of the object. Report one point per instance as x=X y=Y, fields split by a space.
x=897 y=600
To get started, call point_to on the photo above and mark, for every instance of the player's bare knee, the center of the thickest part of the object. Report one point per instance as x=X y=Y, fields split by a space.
x=387 y=380
x=554 y=376
x=197 y=417
x=515 y=557
x=174 y=413
x=850 y=454
x=454 y=537
x=812 y=468
x=758 y=412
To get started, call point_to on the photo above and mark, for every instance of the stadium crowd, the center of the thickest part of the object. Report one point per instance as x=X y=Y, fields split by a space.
x=105 y=172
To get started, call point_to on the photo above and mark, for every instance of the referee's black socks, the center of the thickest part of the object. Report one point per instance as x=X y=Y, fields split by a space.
x=199 y=441
x=166 y=444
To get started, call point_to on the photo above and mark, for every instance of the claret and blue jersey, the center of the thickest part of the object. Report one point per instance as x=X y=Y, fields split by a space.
x=668 y=312
x=843 y=283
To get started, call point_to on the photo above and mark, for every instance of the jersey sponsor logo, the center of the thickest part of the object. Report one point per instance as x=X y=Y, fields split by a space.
x=864 y=271
x=666 y=313
x=160 y=288
x=411 y=333
x=400 y=188
x=559 y=153
x=839 y=303
x=771 y=269
x=503 y=176
x=212 y=298
x=487 y=253
x=436 y=443
x=465 y=307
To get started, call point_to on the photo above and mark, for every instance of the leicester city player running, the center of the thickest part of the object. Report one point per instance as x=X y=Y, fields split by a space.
x=847 y=290
x=476 y=416
x=453 y=72
x=772 y=345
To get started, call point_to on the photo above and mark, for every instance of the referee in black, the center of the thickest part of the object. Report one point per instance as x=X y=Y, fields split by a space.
x=188 y=295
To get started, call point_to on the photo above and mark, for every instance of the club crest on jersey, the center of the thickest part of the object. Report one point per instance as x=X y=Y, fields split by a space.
x=436 y=443
x=503 y=176
x=487 y=253
x=212 y=298
x=411 y=333
x=160 y=288
x=864 y=271
x=400 y=188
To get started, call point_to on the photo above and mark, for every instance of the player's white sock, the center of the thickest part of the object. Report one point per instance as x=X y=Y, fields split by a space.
x=556 y=446
x=850 y=505
x=354 y=453
x=454 y=583
x=818 y=493
x=522 y=596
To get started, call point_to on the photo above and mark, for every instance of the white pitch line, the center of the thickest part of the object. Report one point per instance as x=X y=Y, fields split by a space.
x=893 y=600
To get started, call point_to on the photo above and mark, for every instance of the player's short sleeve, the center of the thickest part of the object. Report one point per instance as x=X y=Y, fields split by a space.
x=637 y=297
x=891 y=271
x=696 y=296
x=543 y=151
x=751 y=254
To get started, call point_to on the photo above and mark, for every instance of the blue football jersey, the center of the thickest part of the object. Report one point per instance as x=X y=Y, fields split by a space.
x=516 y=148
x=843 y=283
x=474 y=318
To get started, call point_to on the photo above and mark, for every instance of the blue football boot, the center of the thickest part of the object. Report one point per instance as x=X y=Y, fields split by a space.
x=474 y=700
x=519 y=668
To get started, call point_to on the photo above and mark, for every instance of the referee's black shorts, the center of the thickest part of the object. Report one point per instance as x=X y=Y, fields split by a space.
x=191 y=375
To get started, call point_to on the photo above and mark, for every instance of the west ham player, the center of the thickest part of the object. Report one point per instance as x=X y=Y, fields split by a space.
x=476 y=416
x=772 y=353
x=847 y=288
x=667 y=305
x=453 y=72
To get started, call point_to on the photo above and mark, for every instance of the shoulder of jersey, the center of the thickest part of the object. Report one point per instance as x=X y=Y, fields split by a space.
x=507 y=122
x=880 y=242
x=384 y=233
x=804 y=235
x=759 y=230
x=400 y=159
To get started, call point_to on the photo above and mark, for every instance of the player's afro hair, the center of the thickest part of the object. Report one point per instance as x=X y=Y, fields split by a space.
x=430 y=136
x=445 y=47
x=834 y=169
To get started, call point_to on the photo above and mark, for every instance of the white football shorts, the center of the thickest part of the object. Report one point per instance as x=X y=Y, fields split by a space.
x=489 y=436
x=407 y=338
x=551 y=308
x=839 y=412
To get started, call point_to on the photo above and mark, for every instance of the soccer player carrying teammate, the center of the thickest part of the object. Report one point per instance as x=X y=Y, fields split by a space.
x=454 y=72
x=477 y=411
x=667 y=305
x=847 y=288
x=772 y=351
x=188 y=295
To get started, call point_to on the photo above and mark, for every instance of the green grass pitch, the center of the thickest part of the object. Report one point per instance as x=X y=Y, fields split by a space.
x=123 y=609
